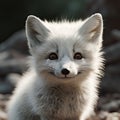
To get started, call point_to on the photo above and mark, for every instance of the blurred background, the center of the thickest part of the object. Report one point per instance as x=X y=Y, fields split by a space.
x=14 y=50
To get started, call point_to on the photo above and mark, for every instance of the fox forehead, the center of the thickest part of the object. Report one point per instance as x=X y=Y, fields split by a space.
x=64 y=27
x=60 y=46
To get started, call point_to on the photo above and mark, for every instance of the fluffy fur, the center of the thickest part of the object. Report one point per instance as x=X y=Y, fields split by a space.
x=65 y=68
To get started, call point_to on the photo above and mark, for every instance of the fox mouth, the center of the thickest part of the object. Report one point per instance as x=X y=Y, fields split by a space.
x=65 y=76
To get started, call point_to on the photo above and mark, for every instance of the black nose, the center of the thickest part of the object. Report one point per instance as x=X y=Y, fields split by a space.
x=65 y=71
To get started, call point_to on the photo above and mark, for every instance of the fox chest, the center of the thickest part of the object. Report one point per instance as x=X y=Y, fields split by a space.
x=59 y=103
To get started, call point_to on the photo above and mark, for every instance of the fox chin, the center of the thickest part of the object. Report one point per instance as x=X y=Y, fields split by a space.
x=66 y=65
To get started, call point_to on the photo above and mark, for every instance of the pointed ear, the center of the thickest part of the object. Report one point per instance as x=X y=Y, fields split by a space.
x=92 y=28
x=35 y=31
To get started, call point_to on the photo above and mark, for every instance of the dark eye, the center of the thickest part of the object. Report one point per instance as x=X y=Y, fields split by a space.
x=53 y=56
x=78 y=56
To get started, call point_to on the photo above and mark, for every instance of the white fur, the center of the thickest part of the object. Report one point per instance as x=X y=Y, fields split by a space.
x=44 y=93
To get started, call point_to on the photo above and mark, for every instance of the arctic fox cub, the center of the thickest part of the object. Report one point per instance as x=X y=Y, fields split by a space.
x=65 y=68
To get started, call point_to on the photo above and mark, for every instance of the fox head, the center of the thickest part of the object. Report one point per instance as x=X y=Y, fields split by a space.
x=65 y=50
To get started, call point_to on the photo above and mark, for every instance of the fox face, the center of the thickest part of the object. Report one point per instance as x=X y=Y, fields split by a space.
x=65 y=50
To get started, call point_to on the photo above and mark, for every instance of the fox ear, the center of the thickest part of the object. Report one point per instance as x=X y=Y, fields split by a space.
x=36 y=31
x=92 y=27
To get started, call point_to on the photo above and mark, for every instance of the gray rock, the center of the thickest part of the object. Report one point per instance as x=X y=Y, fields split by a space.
x=13 y=66
x=5 y=87
x=16 y=42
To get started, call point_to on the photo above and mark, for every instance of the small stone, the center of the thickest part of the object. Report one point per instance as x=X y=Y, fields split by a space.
x=13 y=78
x=3 y=115
x=112 y=106
x=113 y=116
